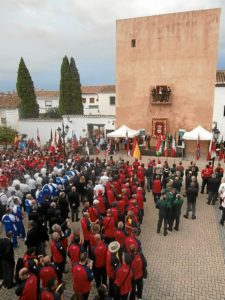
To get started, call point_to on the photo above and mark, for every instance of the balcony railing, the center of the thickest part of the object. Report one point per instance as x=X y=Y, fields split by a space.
x=161 y=95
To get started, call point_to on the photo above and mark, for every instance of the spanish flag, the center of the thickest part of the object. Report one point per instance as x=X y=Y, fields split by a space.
x=136 y=153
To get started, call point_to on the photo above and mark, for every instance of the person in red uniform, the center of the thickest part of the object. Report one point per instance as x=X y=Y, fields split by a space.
x=94 y=212
x=3 y=180
x=115 y=212
x=58 y=254
x=28 y=288
x=99 y=252
x=120 y=234
x=53 y=291
x=75 y=249
x=112 y=264
x=132 y=240
x=108 y=227
x=86 y=227
x=156 y=188
x=82 y=276
x=206 y=174
x=110 y=195
x=47 y=272
x=141 y=176
x=136 y=164
x=101 y=204
x=123 y=280
x=138 y=264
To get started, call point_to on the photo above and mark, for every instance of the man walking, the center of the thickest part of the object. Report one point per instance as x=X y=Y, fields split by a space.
x=192 y=194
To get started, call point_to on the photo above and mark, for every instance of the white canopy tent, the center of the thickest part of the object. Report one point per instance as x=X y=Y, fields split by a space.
x=202 y=133
x=122 y=131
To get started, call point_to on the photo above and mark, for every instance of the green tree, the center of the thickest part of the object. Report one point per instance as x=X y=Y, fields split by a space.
x=7 y=135
x=76 y=96
x=25 y=90
x=65 y=88
x=70 y=99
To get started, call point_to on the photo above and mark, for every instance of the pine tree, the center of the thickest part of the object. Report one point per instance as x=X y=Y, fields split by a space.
x=25 y=90
x=65 y=88
x=76 y=96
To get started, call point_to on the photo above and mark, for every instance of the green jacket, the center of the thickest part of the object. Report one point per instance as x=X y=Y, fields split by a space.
x=162 y=206
x=177 y=207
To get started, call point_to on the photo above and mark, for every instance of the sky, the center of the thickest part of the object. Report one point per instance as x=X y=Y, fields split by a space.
x=43 y=31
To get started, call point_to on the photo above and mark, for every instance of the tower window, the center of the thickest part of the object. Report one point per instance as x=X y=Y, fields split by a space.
x=133 y=43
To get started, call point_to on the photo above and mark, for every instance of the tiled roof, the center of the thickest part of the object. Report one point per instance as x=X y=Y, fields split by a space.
x=108 y=89
x=220 y=77
x=47 y=94
x=87 y=89
x=98 y=89
x=9 y=100
x=90 y=89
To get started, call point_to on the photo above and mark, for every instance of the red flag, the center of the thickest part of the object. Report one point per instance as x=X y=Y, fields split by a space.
x=221 y=155
x=59 y=144
x=197 y=151
x=212 y=150
x=173 y=148
x=75 y=141
x=108 y=148
x=52 y=147
x=38 y=139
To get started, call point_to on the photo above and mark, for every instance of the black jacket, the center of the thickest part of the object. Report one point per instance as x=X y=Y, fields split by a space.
x=192 y=194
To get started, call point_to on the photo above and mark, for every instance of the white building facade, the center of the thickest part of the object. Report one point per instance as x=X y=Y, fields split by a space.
x=97 y=100
x=82 y=126
x=9 y=113
x=219 y=103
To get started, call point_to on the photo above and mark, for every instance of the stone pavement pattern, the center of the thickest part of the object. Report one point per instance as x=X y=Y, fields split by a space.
x=184 y=265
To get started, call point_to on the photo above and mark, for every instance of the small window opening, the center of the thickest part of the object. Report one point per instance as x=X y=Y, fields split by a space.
x=133 y=43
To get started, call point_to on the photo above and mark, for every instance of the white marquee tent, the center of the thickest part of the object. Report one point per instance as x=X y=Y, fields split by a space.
x=122 y=131
x=202 y=133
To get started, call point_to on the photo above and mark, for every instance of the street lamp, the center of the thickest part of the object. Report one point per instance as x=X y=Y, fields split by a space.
x=216 y=134
x=63 y=132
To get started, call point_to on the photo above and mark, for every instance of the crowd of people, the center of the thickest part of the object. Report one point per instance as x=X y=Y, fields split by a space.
x=51 y=193
x=106 y=198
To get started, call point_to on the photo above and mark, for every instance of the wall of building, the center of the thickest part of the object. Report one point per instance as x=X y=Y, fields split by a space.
x=77 y=124
x=105 y=107
x=178 y=50
x=12 y=118
x=89 y=106
x=46 y=103
x=219 y=109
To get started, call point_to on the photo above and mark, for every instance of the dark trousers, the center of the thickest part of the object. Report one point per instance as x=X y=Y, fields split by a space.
x=60 y=270
x=223 y=217
x=156 y=197
x=191 y=207
x=177 y=222
x=8 y=273
x=212 y=197
x=74 y=211
x=137 y=289
x=111 y=287
x=161 y=219
x=149 y=183
x=100 y=276
x=205 y=182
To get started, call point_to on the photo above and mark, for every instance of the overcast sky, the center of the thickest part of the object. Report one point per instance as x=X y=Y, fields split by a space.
x=43 y=31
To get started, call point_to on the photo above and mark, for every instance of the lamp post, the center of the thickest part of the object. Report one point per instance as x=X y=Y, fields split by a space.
x=63 y=132
x=216 y=134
